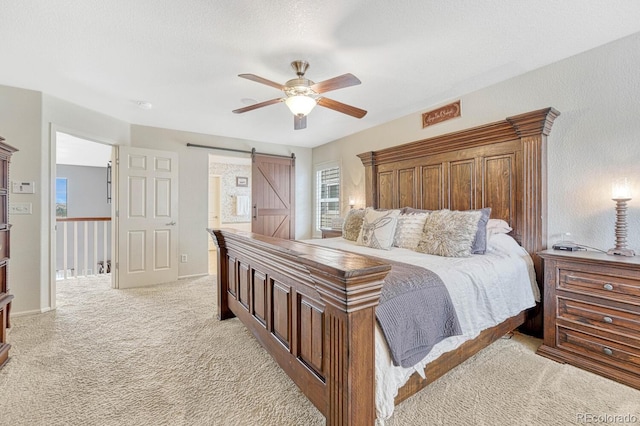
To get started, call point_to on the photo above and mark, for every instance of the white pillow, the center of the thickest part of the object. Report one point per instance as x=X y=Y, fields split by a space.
x=378 y=228
x=409 y=230
x=498 y=226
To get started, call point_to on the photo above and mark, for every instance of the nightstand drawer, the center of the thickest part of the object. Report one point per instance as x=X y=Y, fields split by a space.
x=625 y=324
x=611 y=287
x=625 y=357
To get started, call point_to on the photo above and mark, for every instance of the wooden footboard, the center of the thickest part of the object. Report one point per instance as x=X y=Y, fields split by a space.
x=313 y=309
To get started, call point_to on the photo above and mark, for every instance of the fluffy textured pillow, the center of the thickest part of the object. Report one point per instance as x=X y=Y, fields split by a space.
x=378 y=228
x=411 y=210
x=479 y=245
x=498 y=226
x=409 y=230
x=352 y=224
x=449 y=233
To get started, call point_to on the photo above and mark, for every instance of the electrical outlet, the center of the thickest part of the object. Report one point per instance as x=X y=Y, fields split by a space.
x=183 y=258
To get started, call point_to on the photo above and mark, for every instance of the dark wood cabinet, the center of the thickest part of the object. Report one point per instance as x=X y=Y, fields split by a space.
x=5 y=233
x=592 y=313
x=331 y=233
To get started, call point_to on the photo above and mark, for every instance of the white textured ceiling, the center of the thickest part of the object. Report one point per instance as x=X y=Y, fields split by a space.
x=183 y=56
x=74 y=151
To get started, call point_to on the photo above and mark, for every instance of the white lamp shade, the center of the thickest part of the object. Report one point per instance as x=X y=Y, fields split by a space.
x=620 y=189
x=300 y=105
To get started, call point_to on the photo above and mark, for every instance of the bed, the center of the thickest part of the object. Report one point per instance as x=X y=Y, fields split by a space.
x=313 y=307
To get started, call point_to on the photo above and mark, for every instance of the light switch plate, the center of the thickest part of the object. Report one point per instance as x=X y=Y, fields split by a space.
x=19 y=208
x=23 y=187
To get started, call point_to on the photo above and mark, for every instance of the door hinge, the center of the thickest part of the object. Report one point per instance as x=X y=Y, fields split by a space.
x=117 y=265
x=117 y=213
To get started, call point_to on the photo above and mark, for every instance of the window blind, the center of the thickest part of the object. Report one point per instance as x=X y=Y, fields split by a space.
x=327 y=196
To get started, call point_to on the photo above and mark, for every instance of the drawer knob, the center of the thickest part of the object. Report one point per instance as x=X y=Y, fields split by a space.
x=607 y=351
x=608 y=320
x=608 y=286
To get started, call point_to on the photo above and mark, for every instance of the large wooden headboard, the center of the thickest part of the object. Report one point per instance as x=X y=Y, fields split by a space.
x=501 y=165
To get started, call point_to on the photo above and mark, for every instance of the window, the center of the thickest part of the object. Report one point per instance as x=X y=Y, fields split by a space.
x=327 y=196
x=61 y=197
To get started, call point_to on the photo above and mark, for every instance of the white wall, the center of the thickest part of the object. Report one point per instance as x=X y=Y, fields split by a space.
x=194 y=180
x=595 y=139
x=26 y=120
x=29 y=121
x=20 y=124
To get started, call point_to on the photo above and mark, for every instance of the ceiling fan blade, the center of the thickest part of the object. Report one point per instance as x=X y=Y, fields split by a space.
x=343 y=108
x=299 y=123
x=339 y=82
x=258 y=79
x=258 y=105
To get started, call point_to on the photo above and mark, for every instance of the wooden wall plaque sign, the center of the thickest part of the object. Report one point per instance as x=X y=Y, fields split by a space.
x=441 y=114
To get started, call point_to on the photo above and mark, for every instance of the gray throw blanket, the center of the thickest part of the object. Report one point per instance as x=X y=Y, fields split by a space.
x=415 y=312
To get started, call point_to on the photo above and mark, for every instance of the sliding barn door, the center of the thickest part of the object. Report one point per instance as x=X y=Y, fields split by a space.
x=272 y=193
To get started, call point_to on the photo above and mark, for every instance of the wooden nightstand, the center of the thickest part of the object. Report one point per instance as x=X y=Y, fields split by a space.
x=592 y=313
x=331 y=233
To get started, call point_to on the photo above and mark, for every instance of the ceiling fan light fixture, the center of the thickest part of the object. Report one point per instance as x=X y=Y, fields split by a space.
x=300 y=105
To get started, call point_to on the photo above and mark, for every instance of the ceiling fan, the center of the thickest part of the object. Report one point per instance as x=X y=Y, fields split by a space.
x=302 y=95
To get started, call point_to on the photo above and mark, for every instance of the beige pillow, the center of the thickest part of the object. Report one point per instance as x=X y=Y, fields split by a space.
x=352 y=224
x=409 y=230
x=378 y=228
x=449 y=233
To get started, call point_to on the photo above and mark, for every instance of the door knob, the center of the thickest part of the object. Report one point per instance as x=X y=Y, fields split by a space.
x=173 y=222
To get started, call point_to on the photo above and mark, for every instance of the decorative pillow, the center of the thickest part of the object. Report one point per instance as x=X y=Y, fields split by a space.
x=352 y=224
x=449 y=233
x=409 y=230
x=498 y=226
x=479 y=245
x=378 y=228
x=411 y=210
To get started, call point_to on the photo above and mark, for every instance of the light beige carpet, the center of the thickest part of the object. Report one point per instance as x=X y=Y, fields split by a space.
x=158 y=356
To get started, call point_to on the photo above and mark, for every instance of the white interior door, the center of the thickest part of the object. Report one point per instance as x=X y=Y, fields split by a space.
x=147 y=217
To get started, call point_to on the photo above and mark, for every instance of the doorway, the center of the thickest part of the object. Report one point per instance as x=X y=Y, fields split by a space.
x=215 y=189
x=229 y=198
x=80 y=208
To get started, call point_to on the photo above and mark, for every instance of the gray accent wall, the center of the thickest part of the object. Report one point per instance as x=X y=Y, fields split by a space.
x=86 y=190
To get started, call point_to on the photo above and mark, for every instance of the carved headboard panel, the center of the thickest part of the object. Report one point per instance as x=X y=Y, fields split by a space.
x=501 y=165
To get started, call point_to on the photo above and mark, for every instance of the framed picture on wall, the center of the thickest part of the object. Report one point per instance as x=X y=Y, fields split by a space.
x=242 y=181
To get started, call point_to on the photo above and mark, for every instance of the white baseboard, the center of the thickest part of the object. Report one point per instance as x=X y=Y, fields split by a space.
x=184 y=277
x=29 y=313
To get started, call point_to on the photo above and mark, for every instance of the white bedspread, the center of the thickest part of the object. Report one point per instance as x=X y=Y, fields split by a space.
x=485 y=290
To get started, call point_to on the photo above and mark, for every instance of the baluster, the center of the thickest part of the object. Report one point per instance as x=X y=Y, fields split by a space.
x=104 y=245
x=65 y=249
x=75 y=249
x=85 y=248
x=95 y=247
